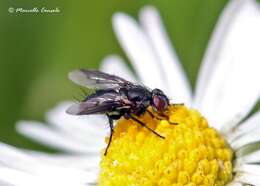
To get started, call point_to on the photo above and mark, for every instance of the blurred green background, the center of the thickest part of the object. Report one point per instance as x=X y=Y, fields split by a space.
x=38 y=50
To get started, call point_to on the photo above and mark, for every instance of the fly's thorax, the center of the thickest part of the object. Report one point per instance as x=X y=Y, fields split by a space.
x=138 y=94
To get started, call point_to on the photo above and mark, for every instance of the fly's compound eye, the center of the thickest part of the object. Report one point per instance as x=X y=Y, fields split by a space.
x=160 y=103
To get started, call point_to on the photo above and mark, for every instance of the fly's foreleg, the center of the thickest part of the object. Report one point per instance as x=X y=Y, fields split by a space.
x=178 y=104
x=163 y=117
x=153 y=116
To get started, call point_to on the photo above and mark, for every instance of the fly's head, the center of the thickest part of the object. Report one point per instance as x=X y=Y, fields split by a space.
x=160 y=101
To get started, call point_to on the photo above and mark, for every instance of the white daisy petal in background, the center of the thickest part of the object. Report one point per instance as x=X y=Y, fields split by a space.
x=226 y=91
x=115 y=65
x=231 y=64
x=176 y=79
x=150 y=53
x=68 y=133
x=139 y=51
x=21 y=168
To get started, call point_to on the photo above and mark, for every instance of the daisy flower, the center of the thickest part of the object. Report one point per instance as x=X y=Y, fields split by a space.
x=219 y=150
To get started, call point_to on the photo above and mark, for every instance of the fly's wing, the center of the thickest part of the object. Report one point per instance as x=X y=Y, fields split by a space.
x=97 y=104
x=98 y=80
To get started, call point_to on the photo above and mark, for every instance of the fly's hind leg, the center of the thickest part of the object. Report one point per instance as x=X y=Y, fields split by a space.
x=143 y=124
x=110 y=120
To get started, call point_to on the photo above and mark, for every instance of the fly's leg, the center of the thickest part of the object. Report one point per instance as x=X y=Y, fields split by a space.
x=143 y=124
x=110 y=120
x=178 y=104
x=152 y=115
x=158 y=118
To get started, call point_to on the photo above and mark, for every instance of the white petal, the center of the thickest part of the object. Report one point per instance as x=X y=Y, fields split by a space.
x=248 y=168
x=175 y=76
x=247 y=173
x=253 y=157
x=248 y=127
x=2 y=183
x=90 y=129
x=232 y=87
x=83 y=162
x=233 y=183
x=12 y=160
x=245 y=140
x=115 y=65
x=246 y=178
x=139 y=50
x=48 y=136
x=216 y=42
x=20 y=178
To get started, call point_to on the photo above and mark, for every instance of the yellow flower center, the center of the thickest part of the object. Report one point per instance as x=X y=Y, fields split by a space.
x=191 y=154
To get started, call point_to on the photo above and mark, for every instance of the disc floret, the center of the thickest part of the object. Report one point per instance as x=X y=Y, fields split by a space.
x=192 y=153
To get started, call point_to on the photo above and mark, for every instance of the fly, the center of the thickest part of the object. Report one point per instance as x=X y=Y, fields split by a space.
x=117 y=97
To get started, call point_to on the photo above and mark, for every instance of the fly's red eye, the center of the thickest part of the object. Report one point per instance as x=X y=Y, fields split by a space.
x=160 y=103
